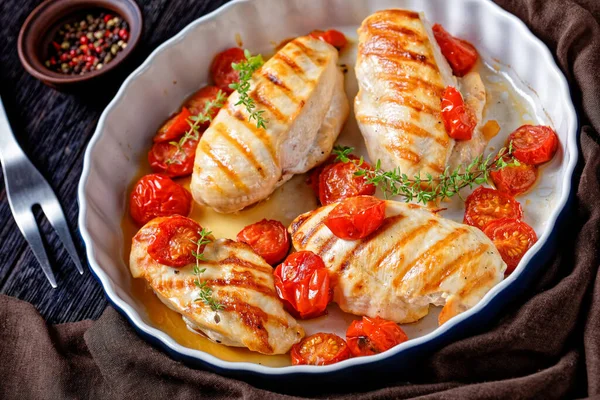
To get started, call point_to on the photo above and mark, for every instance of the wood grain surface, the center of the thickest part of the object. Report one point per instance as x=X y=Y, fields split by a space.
x=54 y=128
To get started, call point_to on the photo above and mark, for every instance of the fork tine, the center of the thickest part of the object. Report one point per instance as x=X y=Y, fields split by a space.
x=29 y=228
x=56 y=216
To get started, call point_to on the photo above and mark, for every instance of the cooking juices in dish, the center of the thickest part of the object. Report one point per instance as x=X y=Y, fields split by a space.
x=423 y=109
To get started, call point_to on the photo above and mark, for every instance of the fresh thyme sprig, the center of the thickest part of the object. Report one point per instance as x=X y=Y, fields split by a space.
x=205 y=294
x=246 y=68
x=195 y=121
x=430 y=188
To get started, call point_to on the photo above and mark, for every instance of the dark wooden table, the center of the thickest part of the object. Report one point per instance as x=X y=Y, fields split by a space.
x=54 y=128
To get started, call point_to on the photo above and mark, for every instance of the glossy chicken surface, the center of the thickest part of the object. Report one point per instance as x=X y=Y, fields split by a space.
x=301 y=91
x=402 y=76
x=415 y=259
x=252 y=315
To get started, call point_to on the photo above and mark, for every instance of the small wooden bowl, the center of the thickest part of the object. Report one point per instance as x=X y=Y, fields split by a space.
x=44 y=21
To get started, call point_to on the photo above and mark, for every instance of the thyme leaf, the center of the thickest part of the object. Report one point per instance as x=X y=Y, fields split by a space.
x=246 y=68
x=195 y=121
x=205 y=294
x=427 y=188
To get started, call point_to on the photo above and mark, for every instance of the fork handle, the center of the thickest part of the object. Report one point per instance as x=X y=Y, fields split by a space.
x=9 y=147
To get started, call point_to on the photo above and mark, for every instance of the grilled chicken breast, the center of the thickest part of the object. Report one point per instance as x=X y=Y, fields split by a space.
x=252 y=315
x=402 y=76
x=301 y=91
x=415 y=259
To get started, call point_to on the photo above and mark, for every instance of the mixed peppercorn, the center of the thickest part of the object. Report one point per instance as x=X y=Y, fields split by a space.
x=88 y=44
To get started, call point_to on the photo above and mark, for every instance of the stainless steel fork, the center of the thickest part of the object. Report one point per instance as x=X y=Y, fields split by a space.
x=25 y=188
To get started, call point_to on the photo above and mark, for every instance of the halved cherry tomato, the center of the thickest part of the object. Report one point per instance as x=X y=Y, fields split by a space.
x=197 y=102
x=356 y=217
x=302 y=282
x=461 y=55
x=373 y=335
x=458 y=118
x=174 y=128
x=221 y=70
x=174 y=241
x=534 y=144
x=165 y=158
x=320 y=349
x=512 y=238
x=331 y=36
x=337 y=182
x=485 y=205
x=516 y=179
x=157 y=195
x=268 y=238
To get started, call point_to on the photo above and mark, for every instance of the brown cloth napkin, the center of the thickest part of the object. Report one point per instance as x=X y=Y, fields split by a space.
x=546 y=345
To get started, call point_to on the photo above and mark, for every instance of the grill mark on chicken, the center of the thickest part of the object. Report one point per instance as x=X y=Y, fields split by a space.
x=227 y=169
x=462 y=261
x=383 y=26
x=274 y=79
x=393 y=13
x=263 y=100
x=307 y=51
x=404 y=153
x=310 y=233
x=299 y=222
x=410 y=102
x=404 y=240
x=327 y=246
x=239 y=280
x=245 y=264
x=241 y=147
x=390 y=46
x=407 y=127
x=387 y=224
x=429 y=254
x=254 y=318
x=474 y=283
x=411 y=84
x=257 y=132
x=298 y=71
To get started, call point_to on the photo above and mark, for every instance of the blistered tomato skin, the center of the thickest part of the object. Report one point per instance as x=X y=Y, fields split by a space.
x=356 y=217
x=512 y=237
x=320 y=349
x=166 y=158
x=197 y=103
x=515 y=180
x=485 y=205
x=458 y=118
x=302 y=282
x=157 y=195
x=533 y=145
x=373 y=335
x=331 y=36
x=174 y=242
x=174 y=128
x=337 y=182
x=461 y=55
x=221 y=70
x=268 y=238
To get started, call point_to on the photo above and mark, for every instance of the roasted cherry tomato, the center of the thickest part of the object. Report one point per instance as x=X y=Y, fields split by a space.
x=485 y=205
x=320 y=349
x=174 y=128
x=458 y=118
x=166 y=158
x=157 y=195
x=337 y=181
x=197 y=102
x=221 y=70
x=302 y=282
x=331 y=36
x=534 y=144
x=268 y=238
x=356 y=217
x=516 y=179
x=174 y=241
x=512 y=238
x=373 y=335
x=315 y=173
x=461 y=55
